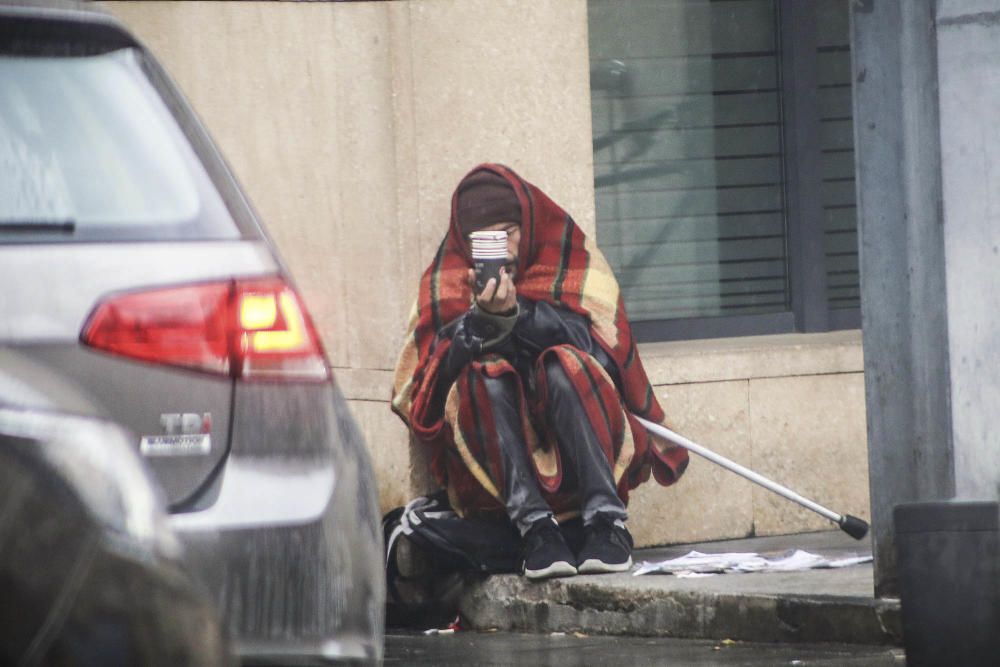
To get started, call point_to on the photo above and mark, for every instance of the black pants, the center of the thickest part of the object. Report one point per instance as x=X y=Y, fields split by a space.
x=579 y=448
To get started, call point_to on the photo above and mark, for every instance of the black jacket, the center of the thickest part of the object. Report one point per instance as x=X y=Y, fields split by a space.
x=539 y=326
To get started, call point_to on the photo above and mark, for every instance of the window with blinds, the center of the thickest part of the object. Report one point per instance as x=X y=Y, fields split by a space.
x=689 y=155
x=833 y=79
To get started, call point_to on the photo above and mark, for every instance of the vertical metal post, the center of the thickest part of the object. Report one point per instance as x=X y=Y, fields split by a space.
x=903 y=297
x=801 y=133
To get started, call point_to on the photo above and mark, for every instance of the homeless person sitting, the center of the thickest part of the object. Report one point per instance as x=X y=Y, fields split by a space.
x=526 y=392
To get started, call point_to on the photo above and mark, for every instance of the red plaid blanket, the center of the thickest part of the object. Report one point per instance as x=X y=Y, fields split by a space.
x=557 y=264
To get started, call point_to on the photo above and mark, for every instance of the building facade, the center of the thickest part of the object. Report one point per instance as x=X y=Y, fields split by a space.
x=707 y=145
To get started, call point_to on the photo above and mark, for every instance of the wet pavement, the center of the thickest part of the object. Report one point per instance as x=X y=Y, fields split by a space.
x=566 y=650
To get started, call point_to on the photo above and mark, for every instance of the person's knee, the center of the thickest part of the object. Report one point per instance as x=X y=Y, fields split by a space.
x=499 y=388
x=556 y=378
x=564 y=364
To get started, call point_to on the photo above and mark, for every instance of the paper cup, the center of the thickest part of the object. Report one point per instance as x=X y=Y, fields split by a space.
x=489 y=253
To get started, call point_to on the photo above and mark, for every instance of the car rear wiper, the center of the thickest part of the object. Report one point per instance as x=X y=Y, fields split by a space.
x=62 y=226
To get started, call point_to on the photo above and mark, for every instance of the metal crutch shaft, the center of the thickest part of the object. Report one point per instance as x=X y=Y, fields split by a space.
x=852 y=525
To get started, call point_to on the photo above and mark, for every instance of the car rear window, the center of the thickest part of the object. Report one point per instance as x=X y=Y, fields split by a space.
x=90 y=152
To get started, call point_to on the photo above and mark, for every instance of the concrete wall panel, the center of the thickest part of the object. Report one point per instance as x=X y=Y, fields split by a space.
x=808 y=433
x=708 y=502
x=969 y=79
x=900 y=241
x=783 y=355
x=501 y=81
x=300 y=98
x=387 y=440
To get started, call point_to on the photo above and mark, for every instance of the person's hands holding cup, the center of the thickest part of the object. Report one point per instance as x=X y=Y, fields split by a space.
x=489 y=278
x=498 y=296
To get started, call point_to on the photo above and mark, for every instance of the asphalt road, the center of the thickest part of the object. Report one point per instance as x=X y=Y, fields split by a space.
x=524 y=650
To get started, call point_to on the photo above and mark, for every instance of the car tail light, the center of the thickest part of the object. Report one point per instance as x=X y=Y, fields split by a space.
x=252 y=329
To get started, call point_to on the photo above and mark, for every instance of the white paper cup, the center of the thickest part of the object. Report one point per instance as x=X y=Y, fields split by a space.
x=489 y=253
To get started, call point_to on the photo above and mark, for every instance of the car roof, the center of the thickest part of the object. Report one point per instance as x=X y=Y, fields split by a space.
x=47 y=7
x=61 y=19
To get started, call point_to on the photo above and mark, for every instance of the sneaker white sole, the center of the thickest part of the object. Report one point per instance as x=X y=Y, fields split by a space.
x=558 y=569
x=597 y=566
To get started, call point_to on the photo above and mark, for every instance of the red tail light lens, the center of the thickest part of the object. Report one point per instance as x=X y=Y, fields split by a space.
x=276 y=336
x=256 y=328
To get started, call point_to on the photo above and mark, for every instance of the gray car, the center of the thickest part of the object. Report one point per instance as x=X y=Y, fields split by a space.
x=133 y=268
x=90 y=571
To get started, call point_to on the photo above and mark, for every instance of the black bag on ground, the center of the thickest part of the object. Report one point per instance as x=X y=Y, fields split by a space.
x=431 y=524
x=431 y=553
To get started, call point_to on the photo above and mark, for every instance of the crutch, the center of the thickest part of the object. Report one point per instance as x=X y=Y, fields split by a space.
x=852 y=525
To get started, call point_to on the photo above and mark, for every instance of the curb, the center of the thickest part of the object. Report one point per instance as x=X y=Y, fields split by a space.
x=580 y=604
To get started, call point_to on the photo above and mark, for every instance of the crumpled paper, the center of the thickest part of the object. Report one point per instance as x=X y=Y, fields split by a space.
x=696 y=563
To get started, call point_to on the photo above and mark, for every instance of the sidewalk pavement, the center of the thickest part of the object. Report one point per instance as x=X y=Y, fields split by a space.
x=807 y=606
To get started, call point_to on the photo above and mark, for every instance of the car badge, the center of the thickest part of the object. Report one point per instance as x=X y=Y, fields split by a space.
x=185 y=434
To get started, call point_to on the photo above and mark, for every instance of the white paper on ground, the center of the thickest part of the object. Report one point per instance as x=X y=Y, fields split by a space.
x=696 y=562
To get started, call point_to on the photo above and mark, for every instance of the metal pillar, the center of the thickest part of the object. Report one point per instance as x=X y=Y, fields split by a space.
x=902 y=257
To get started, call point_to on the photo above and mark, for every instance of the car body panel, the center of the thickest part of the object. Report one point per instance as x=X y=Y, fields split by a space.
x=281 y=521
x=294 y=447
x=43 y=318
x=92 y=573
x=37 y=305
x=138 y=395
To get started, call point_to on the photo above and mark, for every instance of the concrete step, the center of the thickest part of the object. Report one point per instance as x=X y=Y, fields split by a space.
x=806 y=606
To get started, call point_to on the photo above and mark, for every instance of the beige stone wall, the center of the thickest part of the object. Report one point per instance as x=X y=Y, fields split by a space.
x=350 y=123
x=789 y=407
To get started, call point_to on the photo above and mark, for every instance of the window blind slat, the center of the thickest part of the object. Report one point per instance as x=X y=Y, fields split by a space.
x=837 y=159
x=694 y=110
x=644 y=232
x=687 y=149
x=668 y=203
x=686 y=76
x=653 y=28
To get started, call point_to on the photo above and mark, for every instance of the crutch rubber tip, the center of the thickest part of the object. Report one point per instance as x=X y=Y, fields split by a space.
x=853 y=526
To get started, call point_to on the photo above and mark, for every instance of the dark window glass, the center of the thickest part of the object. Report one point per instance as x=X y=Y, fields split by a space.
x=690 y=108
x=840 y=225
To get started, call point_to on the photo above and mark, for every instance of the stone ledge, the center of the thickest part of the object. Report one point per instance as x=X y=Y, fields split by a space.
x=687 y=362
x=509 y=603
x=749 y=357
x=833 y=605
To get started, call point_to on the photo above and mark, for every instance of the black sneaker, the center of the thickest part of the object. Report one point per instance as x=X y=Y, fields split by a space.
x=545 y=552
x=607 y=547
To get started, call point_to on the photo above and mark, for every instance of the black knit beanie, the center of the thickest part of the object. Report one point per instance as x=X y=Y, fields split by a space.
x=485 y=198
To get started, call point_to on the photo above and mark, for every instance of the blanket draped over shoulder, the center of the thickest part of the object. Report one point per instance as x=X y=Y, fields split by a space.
x=557 y=264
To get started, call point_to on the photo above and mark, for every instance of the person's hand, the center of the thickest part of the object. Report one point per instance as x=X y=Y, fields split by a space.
x=496 y=299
